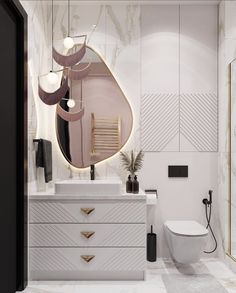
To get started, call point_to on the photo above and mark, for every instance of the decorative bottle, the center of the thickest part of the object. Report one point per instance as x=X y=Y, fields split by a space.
x=129 y=185
x=135 y=185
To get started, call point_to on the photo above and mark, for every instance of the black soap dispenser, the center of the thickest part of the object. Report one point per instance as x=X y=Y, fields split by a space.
x=129 y=185
x=151 y=246
x=135 y=185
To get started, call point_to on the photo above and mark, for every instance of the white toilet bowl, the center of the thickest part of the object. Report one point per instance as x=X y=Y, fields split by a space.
x=186 y=240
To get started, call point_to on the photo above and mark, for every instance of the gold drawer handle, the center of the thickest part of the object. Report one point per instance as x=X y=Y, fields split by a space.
x=87 y=234
x=87 y=258
x=87 y=210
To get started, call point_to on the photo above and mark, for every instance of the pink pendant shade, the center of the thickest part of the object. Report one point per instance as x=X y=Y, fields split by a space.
x=55 y=97
x=79 y=74
x=69 y=60
x=72 y=74
x=68 y=116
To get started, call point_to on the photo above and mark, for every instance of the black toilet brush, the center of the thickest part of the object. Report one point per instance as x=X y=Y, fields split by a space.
x=151 y=246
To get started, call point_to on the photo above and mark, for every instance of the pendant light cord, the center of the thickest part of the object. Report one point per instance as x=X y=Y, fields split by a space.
x=68 y=18
x=71 y=94
x=52 y=34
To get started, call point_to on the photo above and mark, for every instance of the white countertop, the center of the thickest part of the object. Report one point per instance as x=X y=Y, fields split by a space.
x=50 y=195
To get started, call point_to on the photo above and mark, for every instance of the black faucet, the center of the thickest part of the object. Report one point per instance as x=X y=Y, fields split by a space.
x=208 y=201
x=92 y=172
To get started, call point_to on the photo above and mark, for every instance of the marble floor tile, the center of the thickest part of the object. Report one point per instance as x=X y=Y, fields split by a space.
x=212 y=267
x=194 y=283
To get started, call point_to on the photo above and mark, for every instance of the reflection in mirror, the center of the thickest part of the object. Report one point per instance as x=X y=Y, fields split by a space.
x=94 y=120
x=233 y=161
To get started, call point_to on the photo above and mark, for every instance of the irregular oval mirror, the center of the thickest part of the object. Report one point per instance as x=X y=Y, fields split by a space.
x=94 y=120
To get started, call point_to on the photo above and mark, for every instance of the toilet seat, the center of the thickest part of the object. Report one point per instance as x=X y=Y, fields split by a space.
x=186 y=228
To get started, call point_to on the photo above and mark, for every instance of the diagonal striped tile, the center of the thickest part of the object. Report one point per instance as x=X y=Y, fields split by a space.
x=159 y=120
x=199 y=120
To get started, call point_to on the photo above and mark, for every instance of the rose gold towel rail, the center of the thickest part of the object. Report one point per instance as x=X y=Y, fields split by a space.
x=105 y=134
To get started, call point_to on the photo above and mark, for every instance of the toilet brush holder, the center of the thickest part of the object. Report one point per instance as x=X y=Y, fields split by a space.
x=151 y=246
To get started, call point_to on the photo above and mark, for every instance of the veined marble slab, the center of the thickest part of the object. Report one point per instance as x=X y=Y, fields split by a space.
x=153 y=283
x=50 y=195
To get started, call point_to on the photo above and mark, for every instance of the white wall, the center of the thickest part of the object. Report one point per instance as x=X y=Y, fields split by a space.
x=38 y=63
x=180 y=199
x=132 y=46
x=179 y=57
x=179 y=78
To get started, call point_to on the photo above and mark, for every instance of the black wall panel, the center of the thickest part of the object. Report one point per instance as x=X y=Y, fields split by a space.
x=13 y=147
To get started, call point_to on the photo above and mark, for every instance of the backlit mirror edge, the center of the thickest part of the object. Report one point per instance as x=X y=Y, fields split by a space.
x=132 y=122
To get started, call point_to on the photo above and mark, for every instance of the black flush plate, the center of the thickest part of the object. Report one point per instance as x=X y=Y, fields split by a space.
x=177 y=171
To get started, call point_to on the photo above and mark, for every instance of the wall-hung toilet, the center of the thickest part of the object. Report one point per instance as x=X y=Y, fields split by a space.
x=186 y=240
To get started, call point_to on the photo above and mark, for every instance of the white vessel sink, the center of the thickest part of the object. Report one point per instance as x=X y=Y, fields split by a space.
x=89 y=187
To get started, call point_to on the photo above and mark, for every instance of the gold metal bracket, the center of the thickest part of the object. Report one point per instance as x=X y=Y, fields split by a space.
x=87 y=210
x=87 y=234
x=87 y=258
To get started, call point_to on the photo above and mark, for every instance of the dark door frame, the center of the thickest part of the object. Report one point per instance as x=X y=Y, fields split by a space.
x=19 y=16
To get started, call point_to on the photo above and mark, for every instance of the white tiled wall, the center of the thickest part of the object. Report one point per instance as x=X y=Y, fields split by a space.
x=179 y=46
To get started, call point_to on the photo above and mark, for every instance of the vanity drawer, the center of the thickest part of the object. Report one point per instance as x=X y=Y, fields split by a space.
x=70 y=235
x=71 y=260
x=119 y=211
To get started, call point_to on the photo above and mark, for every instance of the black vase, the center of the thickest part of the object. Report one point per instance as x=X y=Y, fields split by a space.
x=135 y=185
x=129 y=185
